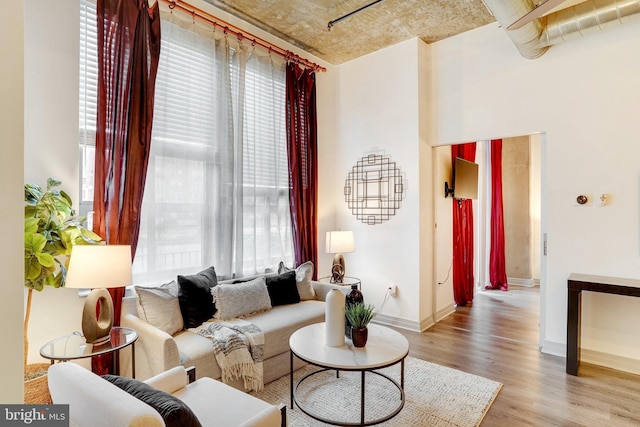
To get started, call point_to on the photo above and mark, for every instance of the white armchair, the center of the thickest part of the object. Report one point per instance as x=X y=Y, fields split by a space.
x=96 y=402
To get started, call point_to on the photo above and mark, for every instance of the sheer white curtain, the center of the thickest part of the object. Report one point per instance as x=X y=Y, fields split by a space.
x=266 y=215
x=217 y=184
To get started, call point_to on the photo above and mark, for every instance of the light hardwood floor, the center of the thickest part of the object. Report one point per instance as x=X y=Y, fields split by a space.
x=497 y=338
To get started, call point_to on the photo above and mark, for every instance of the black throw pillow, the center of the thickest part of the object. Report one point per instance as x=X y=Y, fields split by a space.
x=173 y=411
x=194 y=296
x=283 y=289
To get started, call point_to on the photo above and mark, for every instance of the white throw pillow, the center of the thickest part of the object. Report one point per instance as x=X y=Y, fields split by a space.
x=159 y=307
x=304 y=272
x=241 y=299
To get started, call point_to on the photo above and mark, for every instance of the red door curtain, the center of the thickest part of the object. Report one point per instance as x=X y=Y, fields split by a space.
x=463 y=235
x=497 y=269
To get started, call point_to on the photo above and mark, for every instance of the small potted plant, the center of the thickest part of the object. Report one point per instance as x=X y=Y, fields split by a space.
x=359 y=315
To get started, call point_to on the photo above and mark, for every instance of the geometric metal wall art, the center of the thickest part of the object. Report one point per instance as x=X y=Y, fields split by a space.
x=373 y=189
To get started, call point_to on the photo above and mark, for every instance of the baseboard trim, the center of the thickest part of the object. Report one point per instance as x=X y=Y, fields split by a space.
x=594 y=357
x=521 y=282
x=426 y=323
x=398 y=322
x=619 y=363
x=441 y=314
x=423 y=325
x=554 y=348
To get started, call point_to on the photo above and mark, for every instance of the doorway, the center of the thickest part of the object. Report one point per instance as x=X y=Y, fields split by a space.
x=522 y=193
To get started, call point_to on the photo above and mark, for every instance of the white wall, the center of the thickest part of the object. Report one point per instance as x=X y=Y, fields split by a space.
x=583 y=95
x=426 y=192
x=51 y=140
x=443 y=234
x=51 y=93
x=11 y=208
x=328 y=179
x=378 y=110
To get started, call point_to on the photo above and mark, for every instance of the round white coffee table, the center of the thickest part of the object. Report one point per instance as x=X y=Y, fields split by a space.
x=385 y=347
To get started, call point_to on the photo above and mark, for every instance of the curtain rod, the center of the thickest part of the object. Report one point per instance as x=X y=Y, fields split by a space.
x=240 y=34
x=335 y=21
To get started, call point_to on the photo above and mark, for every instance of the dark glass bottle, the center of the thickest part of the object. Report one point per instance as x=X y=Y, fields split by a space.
x=353 y=297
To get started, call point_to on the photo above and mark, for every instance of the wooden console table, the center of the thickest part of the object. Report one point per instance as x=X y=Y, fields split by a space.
x=585 y=282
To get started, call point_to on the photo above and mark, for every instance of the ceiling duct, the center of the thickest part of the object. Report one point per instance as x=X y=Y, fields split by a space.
x=526 y=37
x=533 y=39
x=588 y=17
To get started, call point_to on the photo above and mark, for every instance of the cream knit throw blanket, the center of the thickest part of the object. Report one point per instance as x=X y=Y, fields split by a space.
x=239 y=349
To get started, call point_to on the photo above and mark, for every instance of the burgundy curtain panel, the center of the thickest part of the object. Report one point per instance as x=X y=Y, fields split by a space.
x=302 y=151
x=128 y=54
x=463 y=235
x=497 y=269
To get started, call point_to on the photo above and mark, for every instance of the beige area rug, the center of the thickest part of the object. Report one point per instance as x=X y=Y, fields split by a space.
x=435 y=396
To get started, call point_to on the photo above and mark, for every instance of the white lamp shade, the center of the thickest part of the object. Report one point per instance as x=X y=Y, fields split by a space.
x=340 y=242
x=99 y=266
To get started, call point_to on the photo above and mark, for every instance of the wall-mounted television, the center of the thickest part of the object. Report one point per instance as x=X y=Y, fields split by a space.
x=465 y=180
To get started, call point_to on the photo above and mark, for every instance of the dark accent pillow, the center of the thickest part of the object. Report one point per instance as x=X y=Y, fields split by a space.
x=194 y=296
x=304 y=273
x=173 y=411
x=283 y=289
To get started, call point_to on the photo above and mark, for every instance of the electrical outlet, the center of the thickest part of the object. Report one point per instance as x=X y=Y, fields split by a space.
x=393 y=290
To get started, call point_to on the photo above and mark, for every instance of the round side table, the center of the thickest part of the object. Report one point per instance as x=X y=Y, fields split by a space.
x=74 y=346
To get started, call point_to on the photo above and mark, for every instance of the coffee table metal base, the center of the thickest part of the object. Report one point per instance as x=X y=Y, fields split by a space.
x=362 y=422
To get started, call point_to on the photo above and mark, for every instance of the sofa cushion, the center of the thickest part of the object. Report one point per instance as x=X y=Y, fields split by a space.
x=242 y=299
x=304 y=273
x=280 y=322
x=283 y=289
x=217 y=404
x=174 y=411
x=159 y=306
x=277 y=325
x=195 y=350
x=196 y=301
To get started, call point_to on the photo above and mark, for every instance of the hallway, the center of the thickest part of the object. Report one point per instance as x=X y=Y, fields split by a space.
x=512 y=315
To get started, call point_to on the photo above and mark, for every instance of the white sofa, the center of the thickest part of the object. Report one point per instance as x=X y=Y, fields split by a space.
x=156 y=351
x=95 y=402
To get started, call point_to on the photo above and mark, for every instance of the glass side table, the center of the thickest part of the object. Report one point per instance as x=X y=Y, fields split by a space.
x=74 y=346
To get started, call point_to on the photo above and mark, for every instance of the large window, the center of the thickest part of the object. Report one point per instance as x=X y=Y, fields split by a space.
x=217 y=182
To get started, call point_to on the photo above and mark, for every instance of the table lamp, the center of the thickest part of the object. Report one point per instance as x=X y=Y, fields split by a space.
x=339 y=242
x=98 y=267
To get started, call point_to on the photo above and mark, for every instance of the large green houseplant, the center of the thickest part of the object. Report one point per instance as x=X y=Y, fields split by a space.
x=51 y=229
